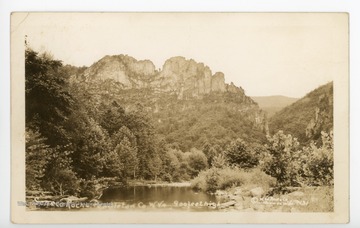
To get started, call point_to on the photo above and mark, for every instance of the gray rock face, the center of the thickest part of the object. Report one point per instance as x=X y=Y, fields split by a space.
x=124 y=69
x=186 y=78
x=218 y=82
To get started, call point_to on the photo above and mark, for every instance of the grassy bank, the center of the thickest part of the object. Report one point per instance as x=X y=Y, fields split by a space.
x=223 y=178
x=253 y=190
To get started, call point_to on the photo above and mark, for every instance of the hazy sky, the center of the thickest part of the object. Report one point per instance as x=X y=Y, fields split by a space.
x=266 y=54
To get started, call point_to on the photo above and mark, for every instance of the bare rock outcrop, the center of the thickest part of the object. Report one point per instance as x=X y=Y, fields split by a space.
x=184 y=77
x=124 y=69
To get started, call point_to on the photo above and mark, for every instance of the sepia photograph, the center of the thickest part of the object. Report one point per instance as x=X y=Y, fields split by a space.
x=179 y=117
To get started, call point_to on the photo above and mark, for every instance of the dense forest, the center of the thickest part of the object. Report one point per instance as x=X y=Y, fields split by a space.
x=314 y=113
x=80 y=133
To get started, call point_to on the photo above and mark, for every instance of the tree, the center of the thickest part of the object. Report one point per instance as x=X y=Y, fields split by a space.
x=197 y=162
x=319 y=161
x=47 y=99
x=154 y=166
x=59 y=176
x=91 y=144
x=282 y=160
x=36 y=154
x=149 y=160
x=171 y=166
x=183 y=164
x=211 y=152
x=238 y=154
x=113 y=118
x=122 y=133
x=128 y=158
x=113 y=165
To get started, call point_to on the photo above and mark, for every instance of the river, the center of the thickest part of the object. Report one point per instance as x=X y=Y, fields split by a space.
x=158 y=198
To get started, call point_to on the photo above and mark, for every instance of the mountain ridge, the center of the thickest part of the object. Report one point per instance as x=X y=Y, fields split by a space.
x=186 y=101
x=184 y=77
x=308 y=116
x=274 y=103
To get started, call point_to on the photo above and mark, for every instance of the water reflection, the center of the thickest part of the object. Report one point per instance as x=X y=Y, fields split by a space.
x=171 y=197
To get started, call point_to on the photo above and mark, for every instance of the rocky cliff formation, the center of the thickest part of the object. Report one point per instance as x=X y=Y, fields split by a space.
x=124 y=69
x=186 y=78
x=180 y=92
x=322 y=119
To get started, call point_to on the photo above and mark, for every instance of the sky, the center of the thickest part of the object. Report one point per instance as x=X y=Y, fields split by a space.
x=286 y=54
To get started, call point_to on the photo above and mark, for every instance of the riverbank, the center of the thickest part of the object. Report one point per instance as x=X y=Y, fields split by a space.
x=306 y=199
x=233 y=199
x=45 y=199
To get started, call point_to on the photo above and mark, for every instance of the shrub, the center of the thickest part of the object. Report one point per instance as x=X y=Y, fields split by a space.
x=227 y=177
x=219 y=161
x=319 y=164
x=59 y=176
x=212 y=180
x=282 y=159
x=197 y=161
x=239 y=154
x=199 y=183
x=261 y=179
x=87 y=188
x=63 y=181
x=230 y=177
x=167 y=177
x=292 y=166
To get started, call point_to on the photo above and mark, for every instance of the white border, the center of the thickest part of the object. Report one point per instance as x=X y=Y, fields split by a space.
x=7 y=6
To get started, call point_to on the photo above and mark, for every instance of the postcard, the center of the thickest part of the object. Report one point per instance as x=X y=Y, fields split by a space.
x=179 y=117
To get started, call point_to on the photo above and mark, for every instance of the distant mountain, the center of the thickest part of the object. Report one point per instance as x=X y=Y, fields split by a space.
x=273 y=104
x=185 y=78
x=188 y=104
x=307 y=117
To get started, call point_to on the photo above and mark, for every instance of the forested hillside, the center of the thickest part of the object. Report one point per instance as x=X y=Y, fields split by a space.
x=307 y=117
